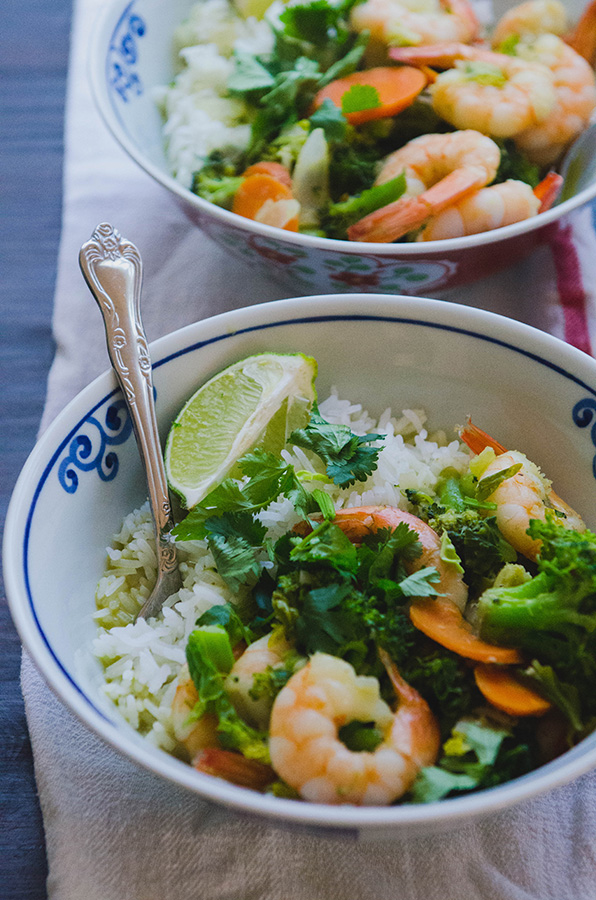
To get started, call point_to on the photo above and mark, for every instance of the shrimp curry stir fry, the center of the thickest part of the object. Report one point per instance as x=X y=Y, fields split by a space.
x=386 y=654
x=386 y=120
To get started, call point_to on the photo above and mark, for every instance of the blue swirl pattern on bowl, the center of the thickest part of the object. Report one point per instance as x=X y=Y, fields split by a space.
x=122 y=55
x=85 y=455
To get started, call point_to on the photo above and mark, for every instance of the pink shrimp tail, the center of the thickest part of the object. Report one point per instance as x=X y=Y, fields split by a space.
x=403 y=690
x=477 y=439
x=464 y=10
x=548 y=190
x=416 y=730
x=407 y=214
x=234 y=768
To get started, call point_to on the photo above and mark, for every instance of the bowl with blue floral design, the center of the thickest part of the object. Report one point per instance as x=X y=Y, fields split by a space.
x=174 y=136
x=524 y=387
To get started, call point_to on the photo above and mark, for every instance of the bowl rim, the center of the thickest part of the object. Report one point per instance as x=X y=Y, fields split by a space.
x=108 y=20
x=488 y=327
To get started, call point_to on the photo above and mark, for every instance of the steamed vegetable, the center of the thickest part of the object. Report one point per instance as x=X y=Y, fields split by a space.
x=552 y=617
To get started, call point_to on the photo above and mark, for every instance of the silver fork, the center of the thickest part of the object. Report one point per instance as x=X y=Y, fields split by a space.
x=113 y=270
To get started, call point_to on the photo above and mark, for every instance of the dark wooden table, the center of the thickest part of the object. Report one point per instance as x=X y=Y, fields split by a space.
x=33 y=63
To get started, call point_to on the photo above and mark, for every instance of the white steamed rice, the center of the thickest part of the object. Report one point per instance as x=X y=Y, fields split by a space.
x=141 y=660
x=199 y=117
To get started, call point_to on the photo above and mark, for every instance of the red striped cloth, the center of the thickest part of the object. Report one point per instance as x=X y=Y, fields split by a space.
x=573 y=295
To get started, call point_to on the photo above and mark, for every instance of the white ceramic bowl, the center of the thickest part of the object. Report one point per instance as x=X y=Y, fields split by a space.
x=131 y=54
x=526 y=388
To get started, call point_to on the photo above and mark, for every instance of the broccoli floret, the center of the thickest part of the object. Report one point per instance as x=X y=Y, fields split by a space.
x=217 y=190
x=481 y=548
x=560 y=598
x=515 y=164
x=219 y=179
x=353 y=168
x=479 y=544
x=287 y=146
x=552 y=615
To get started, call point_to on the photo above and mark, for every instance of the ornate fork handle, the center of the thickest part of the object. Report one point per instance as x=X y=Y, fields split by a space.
x=113 y=269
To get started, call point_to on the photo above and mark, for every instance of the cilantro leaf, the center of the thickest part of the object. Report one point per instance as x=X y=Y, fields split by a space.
x=233 y=540
x=399 y=544
x=309 y=21
x=418 y=584
x=331 y=119
x=226 y=515
x=348 y=63
x=482 y=738
x=249 y=74
x=475 y=756
x=360 y=97
x=434 y=783
x=323 y=625
x=269 y=477
x=317 y=21
x=327 y=543
x=283 y=103
x=345 y=454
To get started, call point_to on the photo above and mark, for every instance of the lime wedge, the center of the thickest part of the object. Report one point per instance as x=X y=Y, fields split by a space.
x=257 y=401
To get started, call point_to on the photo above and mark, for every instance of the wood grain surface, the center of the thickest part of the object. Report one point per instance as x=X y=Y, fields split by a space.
x=33 y=62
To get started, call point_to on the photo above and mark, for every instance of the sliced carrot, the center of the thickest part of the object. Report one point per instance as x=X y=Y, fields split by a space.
x=275 y=169
x=548 y=190
x=234 y=767
x=504 y=690
x=441 y=620
x=397 y=87
x=431 y=74
x=477 y=439
x=255 y=191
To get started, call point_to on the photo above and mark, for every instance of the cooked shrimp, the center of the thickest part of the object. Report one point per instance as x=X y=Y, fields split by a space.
x=526 y=495
x=398 y=22
x=575 y=97
x=491 y=207
x=490 y=92
x=440 y=170
x=269 y=650
x=531 y=18
x=194 y=735
x=358 y=521
x=304 y=742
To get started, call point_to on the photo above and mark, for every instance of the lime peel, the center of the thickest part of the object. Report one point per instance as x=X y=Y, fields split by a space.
x=259 y=400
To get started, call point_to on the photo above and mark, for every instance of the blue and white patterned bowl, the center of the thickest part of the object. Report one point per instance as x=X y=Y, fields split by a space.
x=131 y=54
x=528 y=389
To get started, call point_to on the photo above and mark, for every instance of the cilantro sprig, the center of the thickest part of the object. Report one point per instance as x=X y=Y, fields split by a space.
x=226 y=517
x=347 y=456
x=360 y=97
x=478 y=754
x=313 y=45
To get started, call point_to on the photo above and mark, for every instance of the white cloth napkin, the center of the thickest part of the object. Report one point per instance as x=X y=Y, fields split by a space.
x=115 y=832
